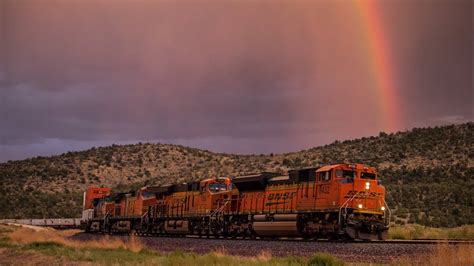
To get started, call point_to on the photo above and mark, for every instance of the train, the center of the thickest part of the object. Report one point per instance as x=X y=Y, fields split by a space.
x=339 y=201
x=57 y=223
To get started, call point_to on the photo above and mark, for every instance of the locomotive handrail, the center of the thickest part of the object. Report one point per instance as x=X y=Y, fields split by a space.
x=143 y=215
x=346 y=203
x=220 y=209
x=106 y=218
x=387 y=223
x=217 y=212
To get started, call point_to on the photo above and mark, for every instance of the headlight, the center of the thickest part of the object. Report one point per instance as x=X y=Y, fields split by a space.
x=367 y=185
x=382 y=208
x=360 y=206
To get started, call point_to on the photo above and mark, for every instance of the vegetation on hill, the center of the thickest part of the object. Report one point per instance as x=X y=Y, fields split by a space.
x=428 y=172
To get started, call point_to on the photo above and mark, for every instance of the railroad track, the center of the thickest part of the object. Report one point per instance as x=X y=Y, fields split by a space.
x=296 y=239
x=381 y=252
x=423 y=241
x=391 y=241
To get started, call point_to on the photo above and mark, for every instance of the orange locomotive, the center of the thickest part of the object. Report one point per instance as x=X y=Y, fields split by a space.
x=334 y=201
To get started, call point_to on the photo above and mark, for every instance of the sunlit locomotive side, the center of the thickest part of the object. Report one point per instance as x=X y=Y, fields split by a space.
x=334 y=201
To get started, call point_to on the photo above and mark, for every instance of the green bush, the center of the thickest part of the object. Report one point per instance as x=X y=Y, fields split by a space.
x=324 y=259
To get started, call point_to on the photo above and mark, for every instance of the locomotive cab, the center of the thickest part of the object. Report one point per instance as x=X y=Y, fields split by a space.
x=359 y=188
x=220 y=192
x=362 y=206
x=216 y=185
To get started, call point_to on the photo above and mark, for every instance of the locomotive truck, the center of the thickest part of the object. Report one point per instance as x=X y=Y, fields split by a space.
x=340 y=201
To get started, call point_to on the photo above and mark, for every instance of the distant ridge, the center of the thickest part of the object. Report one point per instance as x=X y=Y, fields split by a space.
x=428 y=172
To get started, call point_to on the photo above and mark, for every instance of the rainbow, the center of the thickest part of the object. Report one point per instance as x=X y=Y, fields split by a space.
x=380 y=63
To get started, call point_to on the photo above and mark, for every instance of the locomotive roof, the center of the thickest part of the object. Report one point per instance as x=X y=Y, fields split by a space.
x=327 y=167
x=257 y=179
x=256 y=175
x=279 y=178
x=351 y=165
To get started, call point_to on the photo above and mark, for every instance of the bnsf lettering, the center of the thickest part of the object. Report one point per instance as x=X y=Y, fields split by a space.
x=362 y=194
x=284 y=196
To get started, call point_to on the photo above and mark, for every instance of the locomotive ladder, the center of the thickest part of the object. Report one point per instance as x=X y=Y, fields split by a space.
x=344 y=206
x=145 y=220
x=387 y=210
x=217 y=213
x=144 y=217
x=107 y=217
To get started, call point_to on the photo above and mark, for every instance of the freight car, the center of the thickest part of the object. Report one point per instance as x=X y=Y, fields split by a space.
x=64 y=223
x=341 y=201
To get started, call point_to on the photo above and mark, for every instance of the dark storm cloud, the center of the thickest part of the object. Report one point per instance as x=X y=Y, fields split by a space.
x=235 y=77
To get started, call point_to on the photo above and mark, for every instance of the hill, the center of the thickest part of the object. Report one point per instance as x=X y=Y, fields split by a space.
x=428 y=172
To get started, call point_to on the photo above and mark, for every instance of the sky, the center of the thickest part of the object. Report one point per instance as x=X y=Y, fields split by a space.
x=228 y=76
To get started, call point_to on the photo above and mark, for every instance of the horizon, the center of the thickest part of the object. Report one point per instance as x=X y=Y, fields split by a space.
x=138 y=142
x=238 y=78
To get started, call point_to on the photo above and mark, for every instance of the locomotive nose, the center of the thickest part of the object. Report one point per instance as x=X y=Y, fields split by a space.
x=368 y=195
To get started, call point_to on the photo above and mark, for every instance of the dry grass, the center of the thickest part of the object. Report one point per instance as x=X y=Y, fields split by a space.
x=51 y=247
x=423 y=232
x=220 y=252
x=28 y=236
x=442 y=255
x=9 y=257
x=264 y=256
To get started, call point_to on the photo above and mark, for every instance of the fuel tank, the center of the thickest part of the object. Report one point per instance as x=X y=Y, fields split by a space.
x=276 y=228
x=177 y=227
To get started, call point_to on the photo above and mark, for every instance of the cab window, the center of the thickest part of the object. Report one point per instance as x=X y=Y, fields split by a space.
x=365 y=175
x=147 y=195
x=324 y=176
x=345 y=174
x=217 y=187
x=349 y=175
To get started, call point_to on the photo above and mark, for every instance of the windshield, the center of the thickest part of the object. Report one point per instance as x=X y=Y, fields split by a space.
x=148 y=195
x=217 y=187
x=347 y=174
x=366 y=175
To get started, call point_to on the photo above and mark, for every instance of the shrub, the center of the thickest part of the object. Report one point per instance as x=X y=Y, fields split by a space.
x=324 y=259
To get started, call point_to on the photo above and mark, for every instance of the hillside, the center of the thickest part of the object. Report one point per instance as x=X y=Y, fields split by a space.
x=428 y=172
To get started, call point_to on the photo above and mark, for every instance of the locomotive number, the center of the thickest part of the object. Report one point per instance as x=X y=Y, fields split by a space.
x=324 y=189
